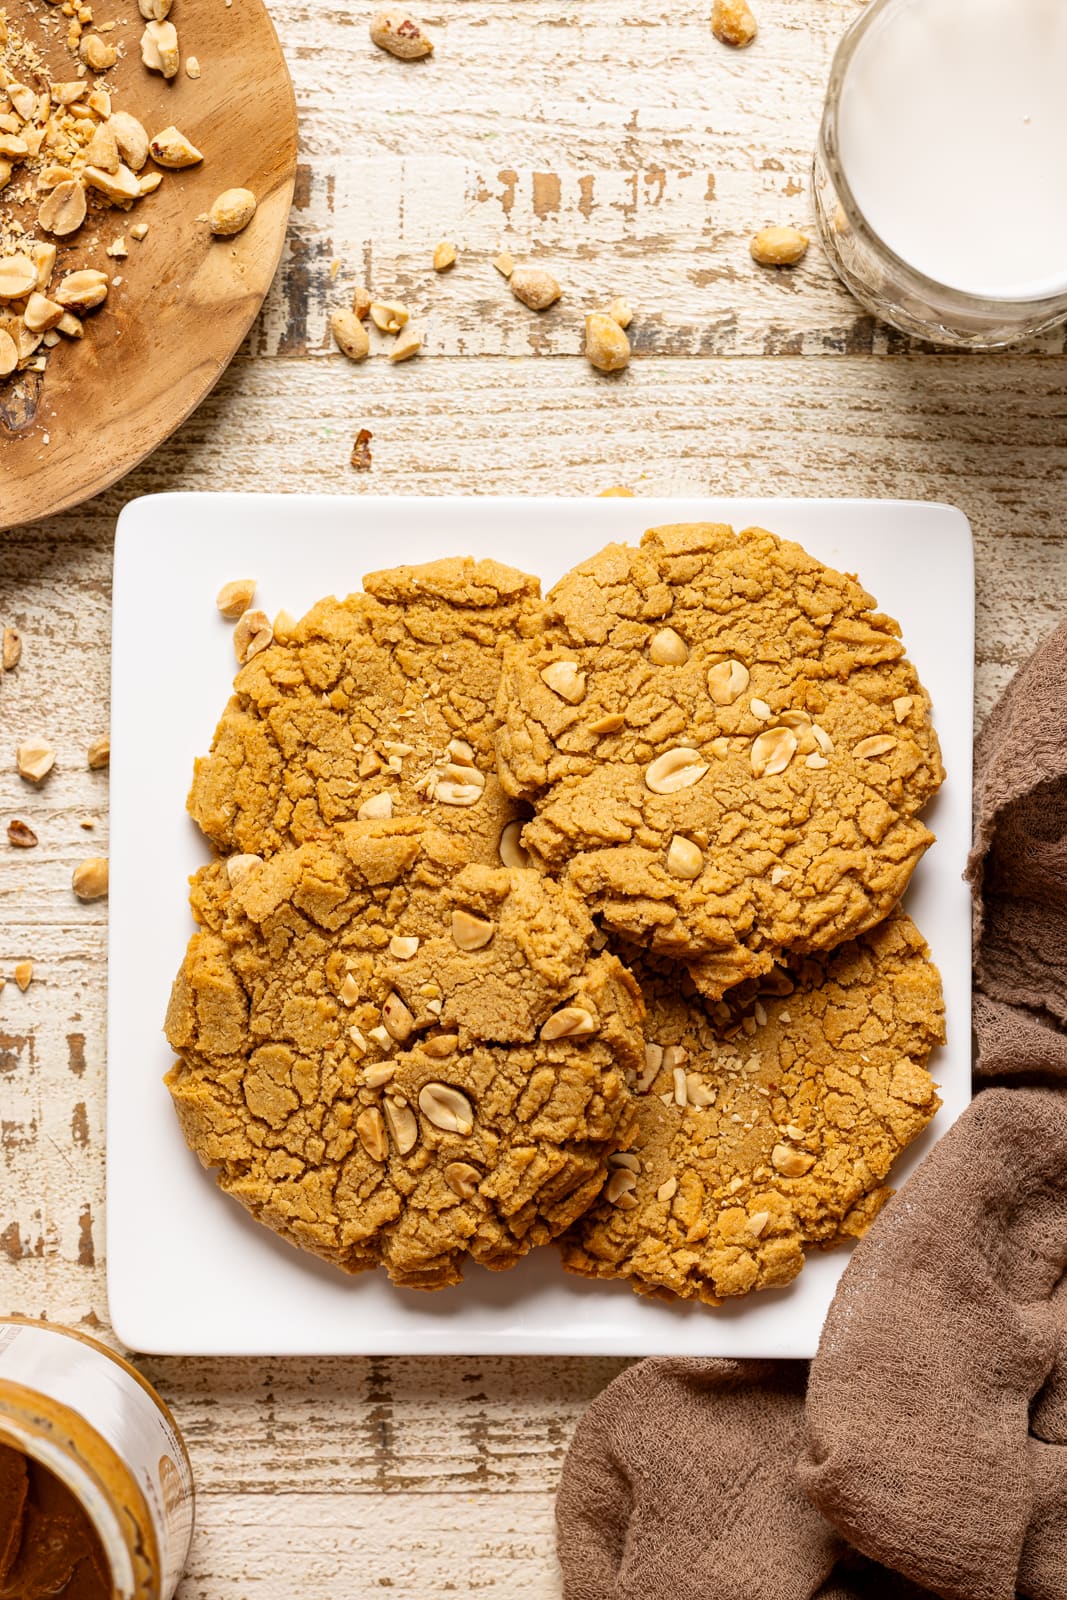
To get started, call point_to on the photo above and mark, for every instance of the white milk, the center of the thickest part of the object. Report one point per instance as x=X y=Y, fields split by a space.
x=952 y=133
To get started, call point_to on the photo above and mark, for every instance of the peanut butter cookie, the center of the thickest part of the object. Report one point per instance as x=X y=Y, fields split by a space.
x=725 y=746
x=375 y=706
x=768 y=1123
x=390 y=1060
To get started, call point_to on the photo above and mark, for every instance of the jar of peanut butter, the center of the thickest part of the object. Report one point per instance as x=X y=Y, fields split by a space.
x=96 y=1491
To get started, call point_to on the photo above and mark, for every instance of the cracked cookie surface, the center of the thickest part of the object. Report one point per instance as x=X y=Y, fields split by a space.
x=385 y=700
x=390 y=1060
x=768 y=1123
x=725 y=746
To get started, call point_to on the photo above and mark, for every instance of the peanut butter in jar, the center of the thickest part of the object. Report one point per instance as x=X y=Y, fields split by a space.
x=96 y=1491
x=48 y=1546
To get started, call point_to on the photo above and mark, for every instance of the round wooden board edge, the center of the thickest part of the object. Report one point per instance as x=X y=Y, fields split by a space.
x=24 y=512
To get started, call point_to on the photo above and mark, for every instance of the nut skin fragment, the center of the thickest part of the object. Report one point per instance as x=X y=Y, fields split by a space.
x=534 y=287
x=350 y=335
x=732 y=22
x=34 y=760
x=444 y=256
x=252 y=634
x=159 y=48
x=778 y=247
x=62 y=212
x=21 y=835
x=361 y=456
x=231 y=211
x=235 y=597
x=170 y=148
x=397 y=32
x=606 y=346
x=24 y=974
x=89 y=879
x=99 y=753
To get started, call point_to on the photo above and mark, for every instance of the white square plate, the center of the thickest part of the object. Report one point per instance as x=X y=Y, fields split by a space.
x=189 y=1272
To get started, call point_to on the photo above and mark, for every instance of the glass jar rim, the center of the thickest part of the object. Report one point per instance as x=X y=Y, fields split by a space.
x=960 y=301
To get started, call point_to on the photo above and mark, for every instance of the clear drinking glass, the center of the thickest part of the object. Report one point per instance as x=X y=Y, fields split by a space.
x=881 y=279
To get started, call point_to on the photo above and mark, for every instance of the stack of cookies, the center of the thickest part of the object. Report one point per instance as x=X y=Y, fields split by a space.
x=573 y=919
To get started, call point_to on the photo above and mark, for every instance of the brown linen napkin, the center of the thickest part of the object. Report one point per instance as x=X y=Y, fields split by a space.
x=937 y=1405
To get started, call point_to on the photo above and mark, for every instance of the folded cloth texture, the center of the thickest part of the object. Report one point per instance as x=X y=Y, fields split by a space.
x=926 y=1452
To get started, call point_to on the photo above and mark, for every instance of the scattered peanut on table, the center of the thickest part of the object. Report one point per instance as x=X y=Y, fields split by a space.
x=90 y=878
x=606 y=346
x=397 y=32
x=350 y=335
x=732 y=22
x=778 y=247
x=535 y=287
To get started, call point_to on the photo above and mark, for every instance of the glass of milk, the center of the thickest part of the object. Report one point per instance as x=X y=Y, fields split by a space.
x=940 y=177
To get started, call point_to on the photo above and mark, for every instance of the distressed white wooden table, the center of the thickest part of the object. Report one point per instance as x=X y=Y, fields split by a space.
x=632 y=154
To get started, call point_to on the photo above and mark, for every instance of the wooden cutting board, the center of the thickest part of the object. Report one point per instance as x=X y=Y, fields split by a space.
x=186 y=300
